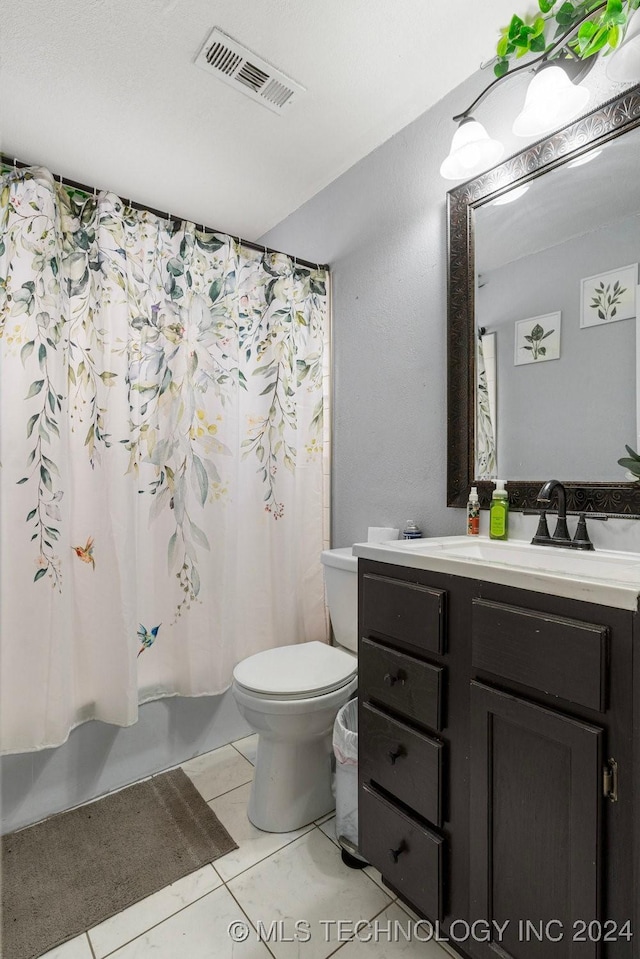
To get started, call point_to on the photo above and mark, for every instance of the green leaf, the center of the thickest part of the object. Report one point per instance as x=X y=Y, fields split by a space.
x=171 y=551
x=175 y=266
x=32 y=422
x=214 y=290
x=546 y=5
x=501 y=67
x=538 y=44
x=503 y=44
x=202 y=478
x=45 y=476
x=42 y=354
x=34 y=389
x=515 y=26
x=26 y=351
x=39 y=574
x=199 y=536
x=31 y=514
x=21 y=481
x=538 y=26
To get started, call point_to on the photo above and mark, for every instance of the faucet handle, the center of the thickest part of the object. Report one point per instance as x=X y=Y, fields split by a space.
x=581 y=539
x=542 y=532
x=561 y=532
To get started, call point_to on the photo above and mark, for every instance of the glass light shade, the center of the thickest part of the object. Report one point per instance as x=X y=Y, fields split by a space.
x=552 y=100
x=472 y=150
x=511 y=196
x=623 y=65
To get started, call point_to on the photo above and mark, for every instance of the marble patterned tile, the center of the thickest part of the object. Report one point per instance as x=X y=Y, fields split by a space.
x=307 y=882
x=392 y=935
x=132 y=922
x=253 y=843
x=248 y=747
x=77 y=948
x=200 y=931
x=219 y=771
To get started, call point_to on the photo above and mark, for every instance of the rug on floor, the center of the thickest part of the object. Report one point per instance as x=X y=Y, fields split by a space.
x=68 y=873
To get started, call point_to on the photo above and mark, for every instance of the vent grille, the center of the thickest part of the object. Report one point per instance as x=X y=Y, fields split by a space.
x=235 y=65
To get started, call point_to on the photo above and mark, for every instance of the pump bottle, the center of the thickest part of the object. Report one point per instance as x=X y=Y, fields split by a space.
x=499 y=512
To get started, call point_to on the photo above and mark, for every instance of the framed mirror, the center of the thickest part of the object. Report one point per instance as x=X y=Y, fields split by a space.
x=543 y=304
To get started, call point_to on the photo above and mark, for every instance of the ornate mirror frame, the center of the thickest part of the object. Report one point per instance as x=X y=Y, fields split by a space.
x=609 y=121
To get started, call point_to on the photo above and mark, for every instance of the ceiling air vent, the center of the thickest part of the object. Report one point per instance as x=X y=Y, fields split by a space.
x=251 y=75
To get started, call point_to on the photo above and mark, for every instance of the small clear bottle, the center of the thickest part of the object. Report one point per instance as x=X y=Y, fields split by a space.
x=411 y=531
x=499 y=512
x=473 y=513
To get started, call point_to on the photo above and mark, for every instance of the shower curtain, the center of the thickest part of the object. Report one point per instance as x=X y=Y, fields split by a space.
x=161 y=439
x=486 y=452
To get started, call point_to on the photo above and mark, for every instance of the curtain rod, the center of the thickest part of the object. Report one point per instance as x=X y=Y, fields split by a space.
x=90 y=190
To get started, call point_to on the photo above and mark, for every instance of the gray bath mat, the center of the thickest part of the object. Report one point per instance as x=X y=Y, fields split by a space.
x=65 y=875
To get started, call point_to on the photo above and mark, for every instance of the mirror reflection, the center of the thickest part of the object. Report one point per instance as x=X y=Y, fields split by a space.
x=556 y=302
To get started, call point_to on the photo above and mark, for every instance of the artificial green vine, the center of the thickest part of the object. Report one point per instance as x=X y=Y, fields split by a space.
x=535 y=34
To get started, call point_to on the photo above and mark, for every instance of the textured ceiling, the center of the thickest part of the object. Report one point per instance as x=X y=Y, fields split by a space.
x=106 y=92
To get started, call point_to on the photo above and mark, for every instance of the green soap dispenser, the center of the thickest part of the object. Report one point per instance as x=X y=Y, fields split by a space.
x=499 y=512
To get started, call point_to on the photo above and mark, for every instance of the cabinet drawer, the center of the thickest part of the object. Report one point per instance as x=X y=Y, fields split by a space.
x=560 y=657
x=409 y=856
x=404 y=683
x=409 y=612
x=403 y=761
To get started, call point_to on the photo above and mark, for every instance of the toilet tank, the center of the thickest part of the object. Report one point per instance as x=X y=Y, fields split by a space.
x=341 y=582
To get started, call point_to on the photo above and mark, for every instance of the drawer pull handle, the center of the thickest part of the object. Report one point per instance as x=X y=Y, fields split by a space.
x=400 y=678
x=394 y=854
x=396 y=753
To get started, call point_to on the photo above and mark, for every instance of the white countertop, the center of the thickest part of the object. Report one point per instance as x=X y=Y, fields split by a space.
x=606 y=577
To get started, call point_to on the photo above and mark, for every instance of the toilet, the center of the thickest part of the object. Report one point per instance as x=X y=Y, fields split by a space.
x=290 y=696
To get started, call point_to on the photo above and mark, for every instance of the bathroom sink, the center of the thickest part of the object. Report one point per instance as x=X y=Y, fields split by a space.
x=603 y=576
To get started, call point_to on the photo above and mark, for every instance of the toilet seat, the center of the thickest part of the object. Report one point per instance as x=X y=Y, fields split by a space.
x=301 y=671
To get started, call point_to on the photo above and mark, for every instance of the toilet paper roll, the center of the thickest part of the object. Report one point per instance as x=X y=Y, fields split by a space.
x=379 y=534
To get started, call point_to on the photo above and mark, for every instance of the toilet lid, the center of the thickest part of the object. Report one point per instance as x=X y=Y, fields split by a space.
x=305 y=670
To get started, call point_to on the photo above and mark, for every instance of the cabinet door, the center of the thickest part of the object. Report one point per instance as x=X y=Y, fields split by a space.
x=536 y=782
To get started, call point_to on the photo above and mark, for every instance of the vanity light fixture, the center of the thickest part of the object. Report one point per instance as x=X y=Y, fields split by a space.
x=552 y=100
x=585 y=158
x=511 y=195
x=623 y=66
x=472 y=150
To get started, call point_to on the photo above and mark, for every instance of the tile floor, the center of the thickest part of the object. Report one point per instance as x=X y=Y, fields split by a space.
x=272 y=878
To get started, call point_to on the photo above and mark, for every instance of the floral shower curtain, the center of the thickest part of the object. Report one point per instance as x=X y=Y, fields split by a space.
x=161 y=440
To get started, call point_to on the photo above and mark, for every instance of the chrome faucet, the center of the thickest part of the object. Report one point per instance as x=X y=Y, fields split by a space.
x=561 y=533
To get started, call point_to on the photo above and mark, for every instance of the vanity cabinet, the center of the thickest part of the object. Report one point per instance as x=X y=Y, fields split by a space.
x=489 y=718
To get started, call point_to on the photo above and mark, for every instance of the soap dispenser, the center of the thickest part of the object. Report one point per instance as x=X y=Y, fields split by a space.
x=411 y=531
x=499 y=512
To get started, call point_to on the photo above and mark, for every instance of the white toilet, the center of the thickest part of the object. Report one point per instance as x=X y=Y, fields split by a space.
x=290 y=696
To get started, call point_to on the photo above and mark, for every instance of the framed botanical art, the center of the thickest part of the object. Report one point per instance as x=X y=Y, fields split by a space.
x=537 y=339
x=608 y=297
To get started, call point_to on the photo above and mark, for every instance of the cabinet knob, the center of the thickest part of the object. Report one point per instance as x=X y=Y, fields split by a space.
x=391 y=680
x=394 y=854
x=396 y=753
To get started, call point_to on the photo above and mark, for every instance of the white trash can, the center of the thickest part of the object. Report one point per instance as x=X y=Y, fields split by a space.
x=345 y=747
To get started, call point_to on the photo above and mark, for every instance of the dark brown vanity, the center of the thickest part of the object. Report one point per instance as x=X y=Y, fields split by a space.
x=500 y=761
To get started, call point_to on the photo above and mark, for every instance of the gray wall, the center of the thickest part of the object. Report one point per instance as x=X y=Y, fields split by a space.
x=98 y=758
x=554 y=418
x=382 y=228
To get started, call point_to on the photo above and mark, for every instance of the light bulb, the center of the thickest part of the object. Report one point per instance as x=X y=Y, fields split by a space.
x=472 y=151
x=552 y=100
x=511 y=195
